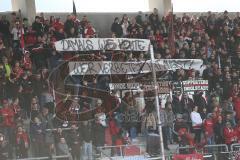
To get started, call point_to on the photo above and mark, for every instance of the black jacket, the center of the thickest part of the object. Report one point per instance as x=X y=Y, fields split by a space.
x=117 y=29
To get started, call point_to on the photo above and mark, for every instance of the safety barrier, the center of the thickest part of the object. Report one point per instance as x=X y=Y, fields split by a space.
x=122 y=150
x=210 y=152
x=185 y=149
x=218 y=151
x=50 y=157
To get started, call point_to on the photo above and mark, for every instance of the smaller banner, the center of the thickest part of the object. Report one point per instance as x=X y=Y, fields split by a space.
x=124 y=86
x=195 y=85
x=188 y=157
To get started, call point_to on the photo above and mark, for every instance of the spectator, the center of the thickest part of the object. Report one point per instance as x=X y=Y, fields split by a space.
x=230 y=135
x=3 y=147
x=208 y=129
x=37 y=130
x=86 y=133
x=89 y=31
x=116 y=28
x=62 y=148
x=218 y=131
x=170 y=118
x=37 y=26
x=22 y=142
x=196 y=124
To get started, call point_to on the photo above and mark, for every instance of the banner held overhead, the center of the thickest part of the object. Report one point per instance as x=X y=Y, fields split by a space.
x=109 y=67
x=89 y=44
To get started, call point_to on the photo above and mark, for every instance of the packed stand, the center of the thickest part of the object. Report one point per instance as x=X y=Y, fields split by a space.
x=26 y=96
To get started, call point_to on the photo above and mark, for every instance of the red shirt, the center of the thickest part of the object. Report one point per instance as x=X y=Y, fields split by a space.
x=114 y=130
x=8 y=117
x=22 y=136
x=230 y=135
x=27 y=63
x=236 y=102
x=208 y=127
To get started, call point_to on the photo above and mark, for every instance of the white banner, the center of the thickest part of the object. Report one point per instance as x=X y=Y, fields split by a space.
x=195 y=85
x=87 y=44
x=124 y=86
x=109 y=67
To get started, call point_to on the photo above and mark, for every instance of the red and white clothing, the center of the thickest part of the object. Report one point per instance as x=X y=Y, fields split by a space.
x=8 y=117
x=27 y=63
x=89 y=32
x=208 y=127
x=22 y=136
x=230 y=135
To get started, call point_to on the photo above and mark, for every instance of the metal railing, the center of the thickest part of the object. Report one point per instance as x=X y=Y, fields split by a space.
x=49 y=157
x=116 y=151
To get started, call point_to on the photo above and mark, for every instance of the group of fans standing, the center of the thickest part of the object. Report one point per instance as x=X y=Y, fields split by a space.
x=27 y=116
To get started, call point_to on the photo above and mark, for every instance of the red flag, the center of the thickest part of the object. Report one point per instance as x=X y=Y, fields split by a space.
x=171 y=36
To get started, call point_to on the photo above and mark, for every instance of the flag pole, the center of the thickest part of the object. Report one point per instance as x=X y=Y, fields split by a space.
x=157 y=103
x=22 y=36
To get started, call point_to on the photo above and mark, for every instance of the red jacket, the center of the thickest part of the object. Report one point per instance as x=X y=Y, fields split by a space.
x=183 y=134
x=230 y=135
x=8 y=117
x=114 y=130
x=27 y=63
x=236 y=103
x=237 y=129
x=22 y=136
x=208 y=127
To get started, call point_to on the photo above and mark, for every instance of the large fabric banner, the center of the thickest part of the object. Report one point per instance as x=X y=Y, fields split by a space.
x=87 y=44
x=195 y=85
x=108 y=67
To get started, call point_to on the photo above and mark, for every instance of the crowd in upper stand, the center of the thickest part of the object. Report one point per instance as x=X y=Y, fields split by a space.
x=25 y=95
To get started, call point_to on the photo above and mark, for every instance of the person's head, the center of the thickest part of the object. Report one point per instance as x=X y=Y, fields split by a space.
x=155 y=11
x=195 y=108
x=220 y=119
x=228 y=125
x=69 y=17
x=37 y=19
x=45 y=111
x=5 y=103
x=99 y=102
x=116 y=20
x=74 y=126
x=37 y=120
x=20 y=129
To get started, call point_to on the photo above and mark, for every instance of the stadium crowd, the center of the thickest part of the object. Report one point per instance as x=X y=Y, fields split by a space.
x=27 y=56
